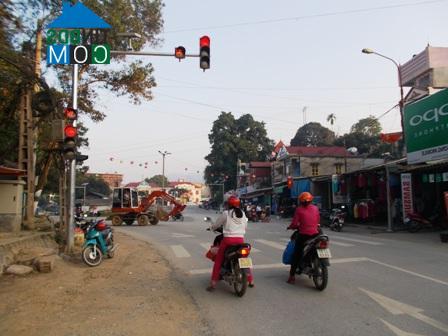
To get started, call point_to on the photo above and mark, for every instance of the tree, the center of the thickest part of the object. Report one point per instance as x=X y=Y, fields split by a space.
x=158 y=180
x=313 y=134
x=231 y=140
x=369 y=126
x=94 y=183
x=331 y=118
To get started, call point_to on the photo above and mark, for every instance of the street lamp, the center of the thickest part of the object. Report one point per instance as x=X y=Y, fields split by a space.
x=400 y=83
x=164 y=153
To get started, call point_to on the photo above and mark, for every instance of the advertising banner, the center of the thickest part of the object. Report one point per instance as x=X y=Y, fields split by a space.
x=426 y=128
x=406 y=194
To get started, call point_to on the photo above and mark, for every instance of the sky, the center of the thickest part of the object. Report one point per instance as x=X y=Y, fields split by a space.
x=284 y=62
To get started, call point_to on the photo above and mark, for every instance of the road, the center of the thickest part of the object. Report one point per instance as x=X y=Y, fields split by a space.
x=378 y=284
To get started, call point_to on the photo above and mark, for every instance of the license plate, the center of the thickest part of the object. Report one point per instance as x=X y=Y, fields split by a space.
x=245 y=262
x=324 y=253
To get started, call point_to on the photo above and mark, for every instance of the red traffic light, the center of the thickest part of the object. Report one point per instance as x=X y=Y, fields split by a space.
x=179 y=52
x=204 y=41
x=70 y=113
x=70 y=131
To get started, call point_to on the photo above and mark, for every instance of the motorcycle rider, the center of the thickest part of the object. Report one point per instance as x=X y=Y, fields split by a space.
x=306 y=221
x=234 y=224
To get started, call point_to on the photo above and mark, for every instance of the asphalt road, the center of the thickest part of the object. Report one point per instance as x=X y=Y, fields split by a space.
x=384 y=284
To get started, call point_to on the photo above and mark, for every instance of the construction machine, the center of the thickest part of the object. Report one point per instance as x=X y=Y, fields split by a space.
x=127 y=208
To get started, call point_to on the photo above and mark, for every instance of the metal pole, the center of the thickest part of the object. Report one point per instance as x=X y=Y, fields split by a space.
x=389 y=217
x=163 y=171
x=72 y=169
x=141 y=53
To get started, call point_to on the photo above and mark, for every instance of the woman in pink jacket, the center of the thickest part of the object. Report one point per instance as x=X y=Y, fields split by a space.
x=306 y=221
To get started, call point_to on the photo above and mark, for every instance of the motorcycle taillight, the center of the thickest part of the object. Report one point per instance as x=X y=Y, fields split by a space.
x=323 y=244
x=244 y=252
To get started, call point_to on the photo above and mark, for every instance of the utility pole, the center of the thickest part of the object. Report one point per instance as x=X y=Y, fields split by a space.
x=164 y=153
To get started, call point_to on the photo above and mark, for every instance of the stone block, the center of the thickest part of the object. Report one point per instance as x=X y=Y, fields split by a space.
x=19 y=270
x=45 y=264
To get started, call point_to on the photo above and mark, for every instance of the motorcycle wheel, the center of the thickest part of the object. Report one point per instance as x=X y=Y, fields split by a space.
x=92 y=255
x=111 y=254
x=240 y=281
x=414 y=226
x=338 y=226
x=320 y=275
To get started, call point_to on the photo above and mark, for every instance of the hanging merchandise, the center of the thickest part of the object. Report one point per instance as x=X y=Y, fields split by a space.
x=431 y=178
x=438 y=178
x=355 y=211
x=425 y=178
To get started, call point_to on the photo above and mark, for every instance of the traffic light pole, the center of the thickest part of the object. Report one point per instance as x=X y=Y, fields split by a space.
x=72 y=172
x=142 y=53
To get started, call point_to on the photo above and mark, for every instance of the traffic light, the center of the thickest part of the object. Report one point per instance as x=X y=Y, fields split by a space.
x=179 y=53
x=204 y=52
x=70 y=132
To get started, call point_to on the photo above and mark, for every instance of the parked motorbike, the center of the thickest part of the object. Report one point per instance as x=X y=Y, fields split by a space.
x=98 y=242
x=416 y=222
x=316 y=260
x=178 y=217
x=337 y=219
x=236 y=265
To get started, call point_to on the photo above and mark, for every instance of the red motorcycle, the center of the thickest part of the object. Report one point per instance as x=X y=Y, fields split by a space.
x=417 y=222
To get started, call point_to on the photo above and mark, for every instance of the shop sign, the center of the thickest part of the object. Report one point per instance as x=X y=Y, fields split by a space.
x=445 y=177
x=406 y=194
x=282 y=153
x=425 y=127
x=337 y=196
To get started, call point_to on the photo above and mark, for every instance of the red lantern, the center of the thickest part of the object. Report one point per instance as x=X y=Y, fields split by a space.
x=289 y=182
x=132 y=162
x=111 y=158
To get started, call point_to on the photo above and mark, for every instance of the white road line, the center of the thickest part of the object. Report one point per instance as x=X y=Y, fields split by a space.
x=181 y=235
x=280 y=265
x=180 y=251
x=332 y=242
x=207 y=246
x=356 y=240
x=398 y=331
x=271 y=244
x=409 y=272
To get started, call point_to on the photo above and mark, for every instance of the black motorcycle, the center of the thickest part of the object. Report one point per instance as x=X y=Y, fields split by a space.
x=236 y=265
x=316 y=259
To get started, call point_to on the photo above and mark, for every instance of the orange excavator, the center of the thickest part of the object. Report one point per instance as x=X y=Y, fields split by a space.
x=127 y=208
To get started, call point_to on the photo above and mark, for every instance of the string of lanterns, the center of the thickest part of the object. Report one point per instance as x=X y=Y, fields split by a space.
x=140 y=164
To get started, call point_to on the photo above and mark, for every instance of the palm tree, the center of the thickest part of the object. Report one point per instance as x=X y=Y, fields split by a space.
x=331 y=118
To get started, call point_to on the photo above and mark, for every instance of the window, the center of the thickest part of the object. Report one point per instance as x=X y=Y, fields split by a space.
x=338 y=168
x=314 y=169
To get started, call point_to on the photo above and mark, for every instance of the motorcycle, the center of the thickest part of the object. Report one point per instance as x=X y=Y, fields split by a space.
x=316 y=260
x=236 y=265
x=178 y=217
x=416 y=222
x=337 y=219
x=99 y=241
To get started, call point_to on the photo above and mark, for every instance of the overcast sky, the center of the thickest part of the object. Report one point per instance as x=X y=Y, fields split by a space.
x=272 y=59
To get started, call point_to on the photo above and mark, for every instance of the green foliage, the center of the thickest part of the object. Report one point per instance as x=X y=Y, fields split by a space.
x=232 y=139
x=369 y=126
x=158 y=180
x=313 y=134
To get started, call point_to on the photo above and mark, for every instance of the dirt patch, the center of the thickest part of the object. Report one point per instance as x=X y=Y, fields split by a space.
x=132 y=294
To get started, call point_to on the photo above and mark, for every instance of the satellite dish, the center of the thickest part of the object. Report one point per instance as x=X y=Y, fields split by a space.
x=353 y=150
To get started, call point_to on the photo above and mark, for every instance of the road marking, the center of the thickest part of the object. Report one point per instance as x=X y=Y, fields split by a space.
x=357 y=240
x=271 y=244
x=409 y=272
x=207 y=246
x=278 y=265
x=332 y=242
x=180 y=251
x=398 y=308
x=181 y=235
x=398 y=331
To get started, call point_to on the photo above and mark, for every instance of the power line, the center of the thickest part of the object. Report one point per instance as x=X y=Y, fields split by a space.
x=306 y=17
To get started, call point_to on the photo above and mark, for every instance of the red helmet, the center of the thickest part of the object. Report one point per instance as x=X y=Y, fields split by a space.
x=234 y=202
x=305 y=197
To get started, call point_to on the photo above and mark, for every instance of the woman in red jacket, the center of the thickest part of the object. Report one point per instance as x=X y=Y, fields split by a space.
x=306 y=221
